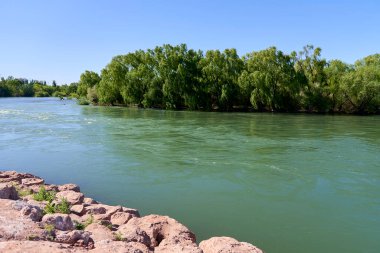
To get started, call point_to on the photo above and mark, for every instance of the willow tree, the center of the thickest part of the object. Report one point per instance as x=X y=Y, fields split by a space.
x=220 y=73
x=314 y=84
x=112 y=79
x=361 y=87
x=88 y=79
x=270 y=80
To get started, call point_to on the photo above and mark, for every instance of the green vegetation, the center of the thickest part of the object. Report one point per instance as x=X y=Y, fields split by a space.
x=175 y=77
x=50 y=231
x=61 y=207
x=22 y=192
x=79 y=226
x=118 y=236
x=82 y=226
x=32 y=237
x=44 y=195
x=21 y=87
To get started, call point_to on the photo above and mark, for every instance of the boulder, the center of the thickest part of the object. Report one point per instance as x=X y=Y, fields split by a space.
x=71 y=237
x=13 y=176
x=99 y=232
x=38 y=247
x=133 y=234
x=71 y=196
x=32 y=181
x=33 y=212
x=133 y=212
x=227 y=245
x=68 y=187
x=59 y=221
x=108 y=246
x=89 y=201
x=101 y=211
x=120 y=218
x=162 y=229
x=13 y=225
x=8 y=191
x=77 y=209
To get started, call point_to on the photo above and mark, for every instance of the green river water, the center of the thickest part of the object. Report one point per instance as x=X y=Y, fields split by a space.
x=286 y=183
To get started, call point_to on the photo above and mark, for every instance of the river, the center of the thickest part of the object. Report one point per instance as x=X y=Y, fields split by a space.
x=284 y=182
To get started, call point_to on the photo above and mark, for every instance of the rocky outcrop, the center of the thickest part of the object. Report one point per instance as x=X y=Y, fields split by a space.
x=227 y=245
x=8 y=191
x=38 y=217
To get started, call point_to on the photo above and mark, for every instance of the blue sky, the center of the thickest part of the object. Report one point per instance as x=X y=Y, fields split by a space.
x=58 y=40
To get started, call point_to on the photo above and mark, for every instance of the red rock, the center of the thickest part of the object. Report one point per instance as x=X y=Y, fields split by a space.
x=89 y=201
x=8 y=191
x=71 y=196
x=120 y=218
x=133 y=234
x=59 y=221
x=108 y=246
x=38 y=247
x=72 y=237
x=32 y=181
x=133 y=212
x=162 y=230
x=13 y=225
x=69 y=187
x=77 y=209
x=99 y=232
x=227 y=245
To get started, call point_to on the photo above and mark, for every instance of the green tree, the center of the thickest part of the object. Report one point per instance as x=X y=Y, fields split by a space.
x=87 y=80
x=270 y=81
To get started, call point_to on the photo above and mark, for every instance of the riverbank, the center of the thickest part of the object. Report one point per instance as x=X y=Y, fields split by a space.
x=40 y=217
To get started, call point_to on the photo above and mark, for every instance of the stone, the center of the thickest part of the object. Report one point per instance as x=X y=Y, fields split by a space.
x=162 y=229
x=77 y=209
x=13 y=225
x=13 y=176
x=227 y=245
x=101 y=211
x=8 y=191
x=32 y=181
x=69 y=187
x=33 y=212
x=99 y=232
x=134 y=212
x=120 y=218
x=133 y=234
x=95 y=209
x=108 y=246
x=71 y=196
x=38 y=247
x=71 y=237
x=59 y=221
x=89 y=201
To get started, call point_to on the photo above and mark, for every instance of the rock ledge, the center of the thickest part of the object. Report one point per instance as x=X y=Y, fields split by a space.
x=36 y=217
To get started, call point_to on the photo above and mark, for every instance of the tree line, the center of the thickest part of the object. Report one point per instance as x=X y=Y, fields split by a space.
x=175 y=77
x=22 y=87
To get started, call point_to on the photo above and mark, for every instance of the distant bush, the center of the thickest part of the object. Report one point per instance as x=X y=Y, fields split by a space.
x=83 y=101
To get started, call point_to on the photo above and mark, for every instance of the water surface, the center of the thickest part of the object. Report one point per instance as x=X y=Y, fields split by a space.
x=287 y=183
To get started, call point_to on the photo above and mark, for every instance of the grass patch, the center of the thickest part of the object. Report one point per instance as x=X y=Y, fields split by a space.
x=44 y=195
x=118 y=236
x=79 y=226
x=61 y=207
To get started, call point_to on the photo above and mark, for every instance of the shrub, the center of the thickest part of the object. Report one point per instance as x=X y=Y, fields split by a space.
x=44 y=195
x=63 y=206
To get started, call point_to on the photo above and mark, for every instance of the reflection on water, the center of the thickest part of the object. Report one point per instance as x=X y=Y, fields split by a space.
x=288 y=183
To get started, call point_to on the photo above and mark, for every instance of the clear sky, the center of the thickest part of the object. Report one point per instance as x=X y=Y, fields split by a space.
x=60 y=39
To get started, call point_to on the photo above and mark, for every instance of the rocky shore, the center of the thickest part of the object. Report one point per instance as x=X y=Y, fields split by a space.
x=38 y=217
